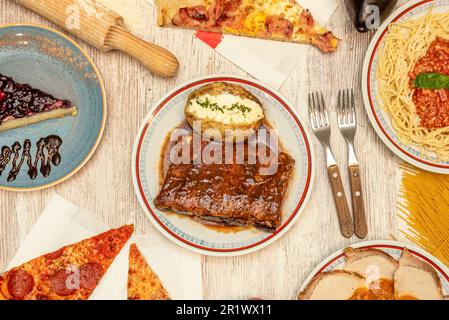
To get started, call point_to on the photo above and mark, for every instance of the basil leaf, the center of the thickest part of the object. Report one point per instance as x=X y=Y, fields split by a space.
x=432 y=81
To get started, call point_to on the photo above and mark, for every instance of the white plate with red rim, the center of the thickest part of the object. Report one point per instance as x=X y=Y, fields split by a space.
x=393 y=248
x=378 y=117
x=167 y=114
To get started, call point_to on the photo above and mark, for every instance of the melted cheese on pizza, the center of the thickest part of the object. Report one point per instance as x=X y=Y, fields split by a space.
x=143 y=283
x=70 y=273
x=283 y=20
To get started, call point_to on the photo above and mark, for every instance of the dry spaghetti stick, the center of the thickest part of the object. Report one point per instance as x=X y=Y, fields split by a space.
x=424 y=205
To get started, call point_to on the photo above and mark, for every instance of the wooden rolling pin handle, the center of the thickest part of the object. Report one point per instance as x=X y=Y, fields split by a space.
x=159 y=60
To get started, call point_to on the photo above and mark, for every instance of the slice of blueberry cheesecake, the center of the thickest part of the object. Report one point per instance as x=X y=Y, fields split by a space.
x=21 y=105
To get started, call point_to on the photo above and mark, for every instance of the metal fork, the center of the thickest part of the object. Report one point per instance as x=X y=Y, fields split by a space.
x=319 y=120
x=347 y=123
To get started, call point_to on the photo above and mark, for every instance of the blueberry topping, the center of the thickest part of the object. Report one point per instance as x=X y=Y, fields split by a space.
x=20 y=100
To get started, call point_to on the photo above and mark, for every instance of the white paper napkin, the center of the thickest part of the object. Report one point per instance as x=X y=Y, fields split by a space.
x=271 y=61
x=62 y=223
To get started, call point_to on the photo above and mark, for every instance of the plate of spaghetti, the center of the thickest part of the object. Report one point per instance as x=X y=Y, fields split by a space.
x=406 y=84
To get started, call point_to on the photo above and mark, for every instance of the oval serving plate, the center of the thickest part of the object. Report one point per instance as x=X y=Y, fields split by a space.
x=380 y=119
x=167 y=114
x=50 y=61
x=393 y=248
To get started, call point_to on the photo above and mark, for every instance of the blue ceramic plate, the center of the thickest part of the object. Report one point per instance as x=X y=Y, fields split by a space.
x=48 y=60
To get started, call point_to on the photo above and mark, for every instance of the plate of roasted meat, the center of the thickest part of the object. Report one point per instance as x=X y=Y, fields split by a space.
x=378 y=270
x=223 y=165
x=52 y=107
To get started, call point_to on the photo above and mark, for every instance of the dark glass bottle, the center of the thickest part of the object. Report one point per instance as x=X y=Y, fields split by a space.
x=369 y=14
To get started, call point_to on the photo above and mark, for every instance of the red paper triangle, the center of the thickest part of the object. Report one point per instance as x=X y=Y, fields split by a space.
x=213 y=39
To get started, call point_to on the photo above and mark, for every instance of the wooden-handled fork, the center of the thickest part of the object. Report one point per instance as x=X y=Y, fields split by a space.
x=319 y=120
x=347 y=123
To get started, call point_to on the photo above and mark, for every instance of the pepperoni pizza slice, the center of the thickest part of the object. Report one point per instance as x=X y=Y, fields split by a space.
x=70 y=273
x=143 y=283
x=283 y=20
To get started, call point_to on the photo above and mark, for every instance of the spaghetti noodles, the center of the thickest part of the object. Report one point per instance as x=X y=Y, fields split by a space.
x=424 y=206
x=405 y=43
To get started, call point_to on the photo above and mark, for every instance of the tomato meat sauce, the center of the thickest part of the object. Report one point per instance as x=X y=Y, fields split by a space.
x=432 y=106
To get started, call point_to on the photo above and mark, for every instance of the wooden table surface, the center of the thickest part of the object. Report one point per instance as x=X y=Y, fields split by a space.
x=104 y=187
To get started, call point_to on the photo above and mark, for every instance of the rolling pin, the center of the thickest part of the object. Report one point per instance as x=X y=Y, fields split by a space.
x=105 y=30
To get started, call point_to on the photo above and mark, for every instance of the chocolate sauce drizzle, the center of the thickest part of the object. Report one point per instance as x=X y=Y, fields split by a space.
x=47 y=154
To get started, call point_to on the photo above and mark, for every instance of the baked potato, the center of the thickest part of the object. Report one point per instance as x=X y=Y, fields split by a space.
x=226 y=108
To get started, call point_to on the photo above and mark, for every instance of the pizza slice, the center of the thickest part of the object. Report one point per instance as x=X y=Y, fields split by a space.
x=70 y=273
x=283 y=20
x=21 y=105
x=143 y=283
